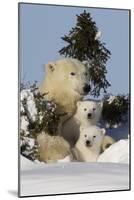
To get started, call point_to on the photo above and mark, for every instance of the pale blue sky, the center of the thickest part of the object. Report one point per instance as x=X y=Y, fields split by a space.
x=42 y=26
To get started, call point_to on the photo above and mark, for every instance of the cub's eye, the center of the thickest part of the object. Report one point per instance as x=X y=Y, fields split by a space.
x=85 y=73
x=85 y=109
x=85 y=135
x=72 y=73
x=94 y=109
x=94 y=136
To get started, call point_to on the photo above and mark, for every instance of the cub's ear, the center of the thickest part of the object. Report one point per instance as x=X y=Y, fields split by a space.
x=103 y=131
x=50 y=67
x=78 y=103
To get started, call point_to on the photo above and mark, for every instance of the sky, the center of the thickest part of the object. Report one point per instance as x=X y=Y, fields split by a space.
x=41 y=29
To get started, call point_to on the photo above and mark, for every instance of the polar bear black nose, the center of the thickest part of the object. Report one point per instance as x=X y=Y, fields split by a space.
x=89 y=115
x=88 y=143
x=86 y=88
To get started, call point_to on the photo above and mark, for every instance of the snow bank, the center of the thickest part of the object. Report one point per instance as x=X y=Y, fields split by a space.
x=111 y=172
x=116 y=153
x=60 y=178
x=68 y=158
x=26 y=163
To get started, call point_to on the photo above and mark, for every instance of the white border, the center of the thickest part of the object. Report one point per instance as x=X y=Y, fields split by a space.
x=9 y=100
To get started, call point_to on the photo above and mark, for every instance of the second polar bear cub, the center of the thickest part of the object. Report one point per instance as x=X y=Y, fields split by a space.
x=88 y=146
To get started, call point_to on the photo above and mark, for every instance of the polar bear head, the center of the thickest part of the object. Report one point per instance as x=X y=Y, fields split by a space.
x=89 y=112
x=91 y=136
x=68 y=75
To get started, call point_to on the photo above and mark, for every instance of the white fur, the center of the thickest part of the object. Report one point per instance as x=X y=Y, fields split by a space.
x=71 y=128
x=84 y=108
x=52 y=148
x=84 y=151
x=107 y=142
x=64 y=83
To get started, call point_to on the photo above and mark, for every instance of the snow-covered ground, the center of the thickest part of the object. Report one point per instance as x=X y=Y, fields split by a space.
x=111 y=172
x=74 y=177
x=116 y=153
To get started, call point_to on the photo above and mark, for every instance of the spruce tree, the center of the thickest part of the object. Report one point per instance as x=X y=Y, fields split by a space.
x=85 y=46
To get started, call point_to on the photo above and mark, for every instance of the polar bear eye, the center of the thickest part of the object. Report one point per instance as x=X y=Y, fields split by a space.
x=85 y=73
x=85 y=109
x=94 y=109
x=85 y=135
x=94 y=136
x=72 y=73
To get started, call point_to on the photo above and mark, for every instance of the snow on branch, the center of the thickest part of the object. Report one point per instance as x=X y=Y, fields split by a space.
x=37 y=116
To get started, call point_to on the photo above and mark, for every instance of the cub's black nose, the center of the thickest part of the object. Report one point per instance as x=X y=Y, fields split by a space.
x=89 y=115
x=86 y=88
x=88 y=142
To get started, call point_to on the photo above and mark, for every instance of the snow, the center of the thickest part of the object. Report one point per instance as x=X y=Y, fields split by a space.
x=25 y=163
x=116 y=153
x=111 y=99
x=110 y=172
x=68 y=158
x=30 y=143
x=59 y=178
x=98 y=35
x=28 y=95
x=24 y=124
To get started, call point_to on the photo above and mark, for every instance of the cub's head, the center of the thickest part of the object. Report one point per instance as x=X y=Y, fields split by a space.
x=92 y=136
x=69 y=74
x=89 y=111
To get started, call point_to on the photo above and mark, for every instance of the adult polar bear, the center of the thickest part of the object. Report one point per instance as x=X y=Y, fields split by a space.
x=66 y=82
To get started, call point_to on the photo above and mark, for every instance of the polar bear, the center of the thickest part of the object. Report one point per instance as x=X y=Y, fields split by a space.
x=52 y=148
x=107 y=142
x=88 y=146
x=65 y=82
x=87 y=114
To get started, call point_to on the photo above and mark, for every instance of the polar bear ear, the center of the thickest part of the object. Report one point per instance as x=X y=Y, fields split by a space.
x=103 y=131
x=50 y=67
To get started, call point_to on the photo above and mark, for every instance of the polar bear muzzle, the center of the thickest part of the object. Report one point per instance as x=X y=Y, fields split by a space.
x=88 y=143
x=89 y=115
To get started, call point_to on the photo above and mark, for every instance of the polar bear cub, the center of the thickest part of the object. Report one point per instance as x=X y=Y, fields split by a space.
x=88 y=146
x=87 y=114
